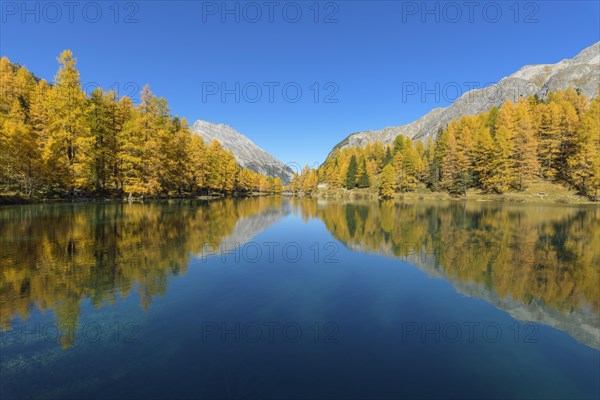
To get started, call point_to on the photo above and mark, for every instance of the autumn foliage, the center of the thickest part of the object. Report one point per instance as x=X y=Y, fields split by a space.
x=57 y=141
x=505 y=149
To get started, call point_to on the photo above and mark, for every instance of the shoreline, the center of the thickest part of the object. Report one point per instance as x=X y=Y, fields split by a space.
x=537 y=193
x=14 y=200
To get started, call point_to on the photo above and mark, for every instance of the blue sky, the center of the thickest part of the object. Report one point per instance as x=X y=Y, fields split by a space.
x=353 y=61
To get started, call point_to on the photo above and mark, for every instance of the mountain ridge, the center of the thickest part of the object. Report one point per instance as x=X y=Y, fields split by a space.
x=247 y=153
x=581 y=71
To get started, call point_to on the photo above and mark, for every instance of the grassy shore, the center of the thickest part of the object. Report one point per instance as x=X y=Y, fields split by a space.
x=537 y=192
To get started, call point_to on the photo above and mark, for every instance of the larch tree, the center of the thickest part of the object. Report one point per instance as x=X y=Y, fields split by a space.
x=67 y=151
x=484 y=159
x=584 y=162
x=449 y=164
x=24 y=160
x=569 y=125
x=524 y=159
x=99 y=120
x=500 y=175
x=387 y=184
x=548 y=118
x=405 y=164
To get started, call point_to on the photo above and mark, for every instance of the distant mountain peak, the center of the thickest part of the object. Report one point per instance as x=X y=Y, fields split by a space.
x=246 y=152
x=581 y=72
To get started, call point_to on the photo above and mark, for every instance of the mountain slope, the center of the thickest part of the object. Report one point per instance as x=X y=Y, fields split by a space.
x=246 y=152
x=582 y=72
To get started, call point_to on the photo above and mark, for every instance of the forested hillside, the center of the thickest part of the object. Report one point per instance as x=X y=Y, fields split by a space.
x=504 y=149
x=57 y=141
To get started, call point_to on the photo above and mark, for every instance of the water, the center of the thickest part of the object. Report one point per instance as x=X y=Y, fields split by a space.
x=272 y=298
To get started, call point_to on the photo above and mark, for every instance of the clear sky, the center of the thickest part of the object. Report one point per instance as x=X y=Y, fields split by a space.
x=356 y=63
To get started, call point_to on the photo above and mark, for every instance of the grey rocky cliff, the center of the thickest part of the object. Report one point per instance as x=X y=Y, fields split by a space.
x=246 y=152
x=581 y=72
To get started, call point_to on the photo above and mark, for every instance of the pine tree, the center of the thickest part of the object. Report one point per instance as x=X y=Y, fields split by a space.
x=351 y=173
x=433 y=168
x=363 y=176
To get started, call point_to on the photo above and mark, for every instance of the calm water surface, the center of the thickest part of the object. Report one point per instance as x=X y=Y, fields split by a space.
x=272 y=298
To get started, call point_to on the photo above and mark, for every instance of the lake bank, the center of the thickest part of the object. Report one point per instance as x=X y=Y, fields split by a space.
x=6 y=200
x=540 y=192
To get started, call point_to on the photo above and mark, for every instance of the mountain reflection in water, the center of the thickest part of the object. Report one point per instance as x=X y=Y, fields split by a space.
x=538 y=263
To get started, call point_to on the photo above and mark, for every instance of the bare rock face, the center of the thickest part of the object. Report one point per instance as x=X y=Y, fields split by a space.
x=581 y=72
x=246 y=152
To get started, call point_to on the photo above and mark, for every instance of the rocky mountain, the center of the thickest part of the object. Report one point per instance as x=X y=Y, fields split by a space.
x=582 y=72
x=246 y=152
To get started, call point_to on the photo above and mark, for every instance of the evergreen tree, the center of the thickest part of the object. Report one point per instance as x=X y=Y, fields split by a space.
x=351 y=174
x=363 y=177
x=433 y=169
